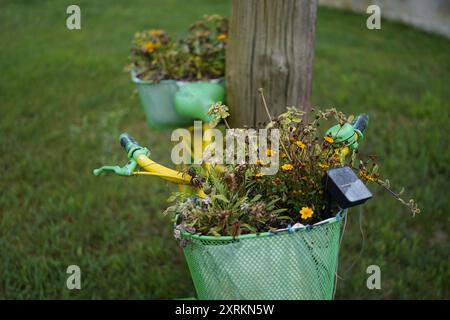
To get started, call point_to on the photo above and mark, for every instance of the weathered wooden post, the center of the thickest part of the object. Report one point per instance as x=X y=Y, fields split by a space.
x=270 y=46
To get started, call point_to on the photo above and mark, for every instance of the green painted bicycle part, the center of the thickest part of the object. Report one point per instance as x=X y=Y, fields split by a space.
x=133 y=150
x=348 y=134
x=126 y=170
x=158 y=100
x=286 y=264
x=193 y=99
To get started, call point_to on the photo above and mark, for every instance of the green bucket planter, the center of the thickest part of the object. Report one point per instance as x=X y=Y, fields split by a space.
x=293 y=264
x=172 y=104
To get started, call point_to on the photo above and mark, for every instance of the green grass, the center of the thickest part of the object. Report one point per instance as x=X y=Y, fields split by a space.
x=64 y=100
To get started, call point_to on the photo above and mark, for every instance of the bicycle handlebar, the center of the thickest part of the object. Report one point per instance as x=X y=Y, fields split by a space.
x=361 y=122
x=128 y=143
x=139 y=157
x=133 y=150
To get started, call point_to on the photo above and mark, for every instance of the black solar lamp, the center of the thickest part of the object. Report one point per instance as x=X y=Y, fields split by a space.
x=344 y=186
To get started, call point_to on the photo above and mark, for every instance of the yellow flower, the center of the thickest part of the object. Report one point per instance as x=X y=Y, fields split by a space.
x=306 y=213
x=323 y=165
x=283 y=155
x=157 y=32
x=328 y=139
x=365 y=175
x=259 y=174
x=202 y=34
x=300 y=144
x=259 y=162
x=151 y=46
x=222 y=36
x=287 y=167
x=269 y=152
x=336 y=156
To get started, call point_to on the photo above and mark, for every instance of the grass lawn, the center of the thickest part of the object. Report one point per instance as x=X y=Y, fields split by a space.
x=64 y=100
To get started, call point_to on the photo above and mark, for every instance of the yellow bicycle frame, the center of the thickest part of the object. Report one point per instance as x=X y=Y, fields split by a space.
x=183 y=180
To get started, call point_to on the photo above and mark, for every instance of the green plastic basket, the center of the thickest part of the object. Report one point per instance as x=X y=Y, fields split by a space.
x=158 y=102
x=291 y=264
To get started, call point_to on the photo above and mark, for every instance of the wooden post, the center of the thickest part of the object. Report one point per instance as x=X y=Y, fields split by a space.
x=270 y=46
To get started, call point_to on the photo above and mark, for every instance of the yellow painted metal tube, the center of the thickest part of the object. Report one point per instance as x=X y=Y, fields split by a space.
x=345 y=150
x=153 y=169
x=163 y=172
x=160 y=175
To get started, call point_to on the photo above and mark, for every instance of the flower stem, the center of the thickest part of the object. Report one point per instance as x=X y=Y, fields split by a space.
x=261 y=92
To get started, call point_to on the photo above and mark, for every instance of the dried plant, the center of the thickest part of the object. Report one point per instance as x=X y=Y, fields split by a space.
x=241 y=199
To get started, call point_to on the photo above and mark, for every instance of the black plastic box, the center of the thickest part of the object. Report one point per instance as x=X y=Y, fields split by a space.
x=344 y=186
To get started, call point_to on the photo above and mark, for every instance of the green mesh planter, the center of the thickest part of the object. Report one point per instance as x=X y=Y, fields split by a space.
x=295 y=264
x=159 y=100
